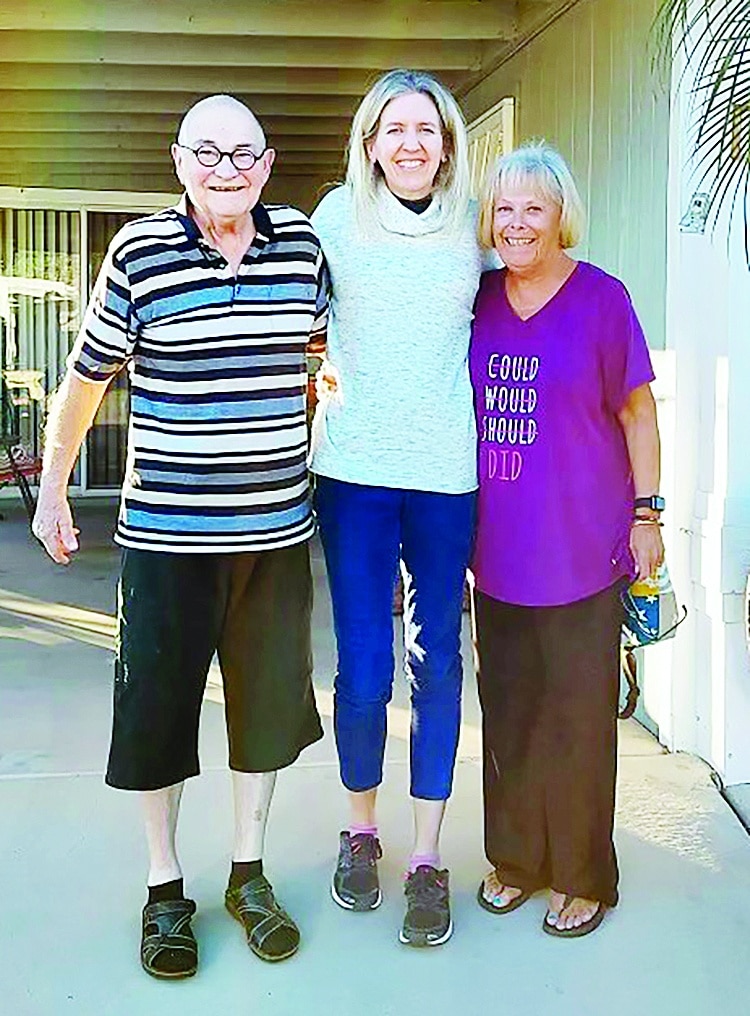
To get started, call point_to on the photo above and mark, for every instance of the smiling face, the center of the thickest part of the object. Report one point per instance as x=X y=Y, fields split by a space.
x=526 y=229
x=408 y=145
x=222 y=194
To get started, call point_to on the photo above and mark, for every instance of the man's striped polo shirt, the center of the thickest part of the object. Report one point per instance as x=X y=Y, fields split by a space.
x=218 y=438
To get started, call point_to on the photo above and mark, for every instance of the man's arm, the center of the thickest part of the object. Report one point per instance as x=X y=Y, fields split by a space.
x=73 y=411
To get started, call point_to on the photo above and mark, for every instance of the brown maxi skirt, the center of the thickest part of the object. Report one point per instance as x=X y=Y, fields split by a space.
x=549 y=685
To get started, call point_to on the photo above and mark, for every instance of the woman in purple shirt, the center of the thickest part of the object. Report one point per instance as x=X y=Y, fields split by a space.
x=568 y=510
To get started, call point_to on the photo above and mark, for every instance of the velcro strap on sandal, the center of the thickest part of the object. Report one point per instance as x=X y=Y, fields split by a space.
x=171 y=921
x=256 y=898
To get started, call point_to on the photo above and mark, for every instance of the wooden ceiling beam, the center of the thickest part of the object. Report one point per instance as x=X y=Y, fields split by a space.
x=534 y=15
x=167 y=182
x=140 y=160
x=70 y=103
x=184 y=51
x=367 y=19
x=119 y=126
x=201 y=80
x=10 y=177
x=57 y=142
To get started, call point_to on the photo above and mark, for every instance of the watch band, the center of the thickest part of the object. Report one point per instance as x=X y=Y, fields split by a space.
x=654 y=503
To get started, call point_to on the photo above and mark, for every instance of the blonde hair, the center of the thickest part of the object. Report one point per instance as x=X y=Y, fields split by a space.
x=452 y=179
x=541 y=168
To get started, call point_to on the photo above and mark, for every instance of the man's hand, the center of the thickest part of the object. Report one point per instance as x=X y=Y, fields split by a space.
x=53 y=527
x=73 y=409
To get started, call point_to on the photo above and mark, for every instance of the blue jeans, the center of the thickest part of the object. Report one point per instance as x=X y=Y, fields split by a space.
x=365 y=532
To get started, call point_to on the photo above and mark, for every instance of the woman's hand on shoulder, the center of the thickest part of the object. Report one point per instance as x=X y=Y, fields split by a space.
x=328 y=383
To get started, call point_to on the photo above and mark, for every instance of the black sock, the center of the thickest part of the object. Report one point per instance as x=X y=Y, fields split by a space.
x=174 y=890
x=243 y=871
x=169 y=961
x=280 y=941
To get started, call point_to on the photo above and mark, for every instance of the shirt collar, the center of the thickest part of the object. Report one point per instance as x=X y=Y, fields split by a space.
x=261 y=218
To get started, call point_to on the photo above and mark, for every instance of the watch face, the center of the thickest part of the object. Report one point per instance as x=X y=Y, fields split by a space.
x=656 y=502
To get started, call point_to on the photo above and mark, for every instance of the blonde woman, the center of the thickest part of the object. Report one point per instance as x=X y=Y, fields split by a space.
x=395 y=459
x=569 y=508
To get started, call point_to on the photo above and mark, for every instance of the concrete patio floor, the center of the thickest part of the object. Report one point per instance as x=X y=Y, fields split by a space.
x=72 y=857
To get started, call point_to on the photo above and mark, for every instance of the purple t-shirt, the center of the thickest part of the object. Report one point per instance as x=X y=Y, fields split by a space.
x=555 y=485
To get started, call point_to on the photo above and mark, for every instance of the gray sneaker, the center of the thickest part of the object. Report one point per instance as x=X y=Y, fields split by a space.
x=428 y=913
x=355 y=883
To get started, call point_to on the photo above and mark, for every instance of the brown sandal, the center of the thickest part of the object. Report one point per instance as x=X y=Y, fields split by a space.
x=515 y=903
x=583 y=929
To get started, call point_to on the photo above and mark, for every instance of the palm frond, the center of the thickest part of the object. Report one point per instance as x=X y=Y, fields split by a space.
x=714 y=37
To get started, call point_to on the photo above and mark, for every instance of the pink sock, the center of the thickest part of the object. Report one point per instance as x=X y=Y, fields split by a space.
x=363 y=830
x=433 y=860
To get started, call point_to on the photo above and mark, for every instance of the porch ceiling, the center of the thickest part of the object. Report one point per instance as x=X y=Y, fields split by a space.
x=91 y=92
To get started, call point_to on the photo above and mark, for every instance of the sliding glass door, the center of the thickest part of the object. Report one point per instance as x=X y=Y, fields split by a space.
x=50 y=256
x=40 y=310
x=107 y=439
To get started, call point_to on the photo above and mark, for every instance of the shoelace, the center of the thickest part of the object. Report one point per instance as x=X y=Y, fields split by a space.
x=425 y=889
x=362 y=854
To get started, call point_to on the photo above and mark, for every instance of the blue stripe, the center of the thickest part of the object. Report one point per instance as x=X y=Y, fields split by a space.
x=181 y=412
x=194 y=523
x=116 y=306
x=278 y=292
x=152 y=307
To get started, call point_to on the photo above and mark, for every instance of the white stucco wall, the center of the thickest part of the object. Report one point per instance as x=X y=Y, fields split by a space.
x=708 y=332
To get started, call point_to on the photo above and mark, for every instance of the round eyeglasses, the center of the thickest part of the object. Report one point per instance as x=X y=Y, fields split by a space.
x=210 y=155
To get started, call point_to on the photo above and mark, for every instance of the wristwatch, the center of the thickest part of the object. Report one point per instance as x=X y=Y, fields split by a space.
x=655 y=503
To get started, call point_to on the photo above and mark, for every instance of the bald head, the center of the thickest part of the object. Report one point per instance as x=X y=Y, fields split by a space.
x=220 y=114
x=215 y=134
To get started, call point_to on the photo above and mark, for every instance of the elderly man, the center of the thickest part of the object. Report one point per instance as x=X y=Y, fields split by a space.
x=210 y=304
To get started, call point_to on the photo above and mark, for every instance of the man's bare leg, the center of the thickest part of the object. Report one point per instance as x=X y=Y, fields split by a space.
x=271 y=933
x=168 y=946
x=252 y=801
x=160 y=811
